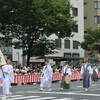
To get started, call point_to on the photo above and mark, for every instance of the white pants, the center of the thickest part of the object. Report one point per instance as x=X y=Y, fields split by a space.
x=5 y=86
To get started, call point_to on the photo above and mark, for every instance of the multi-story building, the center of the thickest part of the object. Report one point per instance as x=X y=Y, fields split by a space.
x=68 y=47
x=91 y=18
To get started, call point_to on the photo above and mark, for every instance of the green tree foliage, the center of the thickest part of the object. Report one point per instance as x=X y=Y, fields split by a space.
x=32 y=21
x=91 y=41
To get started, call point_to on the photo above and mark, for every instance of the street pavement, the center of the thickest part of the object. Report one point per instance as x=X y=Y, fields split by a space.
x=76 y=92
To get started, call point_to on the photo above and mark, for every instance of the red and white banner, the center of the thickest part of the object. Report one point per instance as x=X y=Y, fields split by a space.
x=37 y=77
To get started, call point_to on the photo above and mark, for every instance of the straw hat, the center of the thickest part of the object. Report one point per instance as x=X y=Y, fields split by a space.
x=67 y=79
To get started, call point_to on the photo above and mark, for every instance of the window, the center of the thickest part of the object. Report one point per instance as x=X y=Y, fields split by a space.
x=75 y=44
x=75 y=29
x=97 y=4
x=75 y=11
x=97 y=19
x=67 y=54
x=76 y=55
x=67 y=44
x=58 y=43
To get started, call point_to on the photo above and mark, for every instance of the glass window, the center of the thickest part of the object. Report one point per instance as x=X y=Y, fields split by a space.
x=97 y=4
x=75 y=29
x=67 y=54
x=76 y=55
x=58 y=43
x=75 y=11
x=67 y=44
x=97 y=19
x=75 y=44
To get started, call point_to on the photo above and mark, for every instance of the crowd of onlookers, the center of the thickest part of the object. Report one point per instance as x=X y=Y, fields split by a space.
x=19 y=70
x=23 y=70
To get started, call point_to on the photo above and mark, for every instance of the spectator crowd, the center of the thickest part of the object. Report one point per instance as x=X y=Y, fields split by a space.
x=19 y=70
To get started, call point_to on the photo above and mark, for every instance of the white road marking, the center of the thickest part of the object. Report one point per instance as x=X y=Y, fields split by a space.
x=20 y=92
x=84 y=94
x=93 y=89
x=43 y=98
x=70 y=93
x=85 y=99
x=94 y=85
x=79 y=86
x=12 y=96
x=64 y=99
x=22 y=98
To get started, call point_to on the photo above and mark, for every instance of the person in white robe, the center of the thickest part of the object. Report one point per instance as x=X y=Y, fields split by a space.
x=46 y=77
x=7 y=78
x=66 y=70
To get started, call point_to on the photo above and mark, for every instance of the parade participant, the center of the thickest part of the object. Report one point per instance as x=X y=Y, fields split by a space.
x=7 y=77
x=66 y=70
x=46 y=77
x=95 y=73
x=86 y=71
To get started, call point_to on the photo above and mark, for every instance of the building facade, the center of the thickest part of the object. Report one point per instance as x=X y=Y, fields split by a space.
x=68 y=47
x=91 y=18
x=9 y=52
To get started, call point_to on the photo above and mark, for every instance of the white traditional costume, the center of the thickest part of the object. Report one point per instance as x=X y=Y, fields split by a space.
x=7 y=78
x=47 y=77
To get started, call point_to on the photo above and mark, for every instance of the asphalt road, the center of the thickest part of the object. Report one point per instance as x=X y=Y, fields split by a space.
x=76 y=92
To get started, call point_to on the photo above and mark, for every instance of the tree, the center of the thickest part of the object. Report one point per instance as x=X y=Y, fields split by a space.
x=91 y=41
x=30 y=20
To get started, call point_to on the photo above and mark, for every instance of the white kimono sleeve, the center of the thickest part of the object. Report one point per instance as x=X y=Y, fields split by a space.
x=82 y=70
x=50 y=72
x=62 y=73
x=96 y=70
x=90 y=70
x=69 y=71
x=11 y=74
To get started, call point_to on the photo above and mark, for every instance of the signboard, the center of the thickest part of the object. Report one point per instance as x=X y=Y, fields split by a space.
x=2 y=59
x=6 y=50
x=33 y=59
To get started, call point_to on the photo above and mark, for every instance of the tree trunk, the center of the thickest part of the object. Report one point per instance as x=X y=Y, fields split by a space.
x=24 y=58
x=28 y=54
x=28 y=58
x=30 y=43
